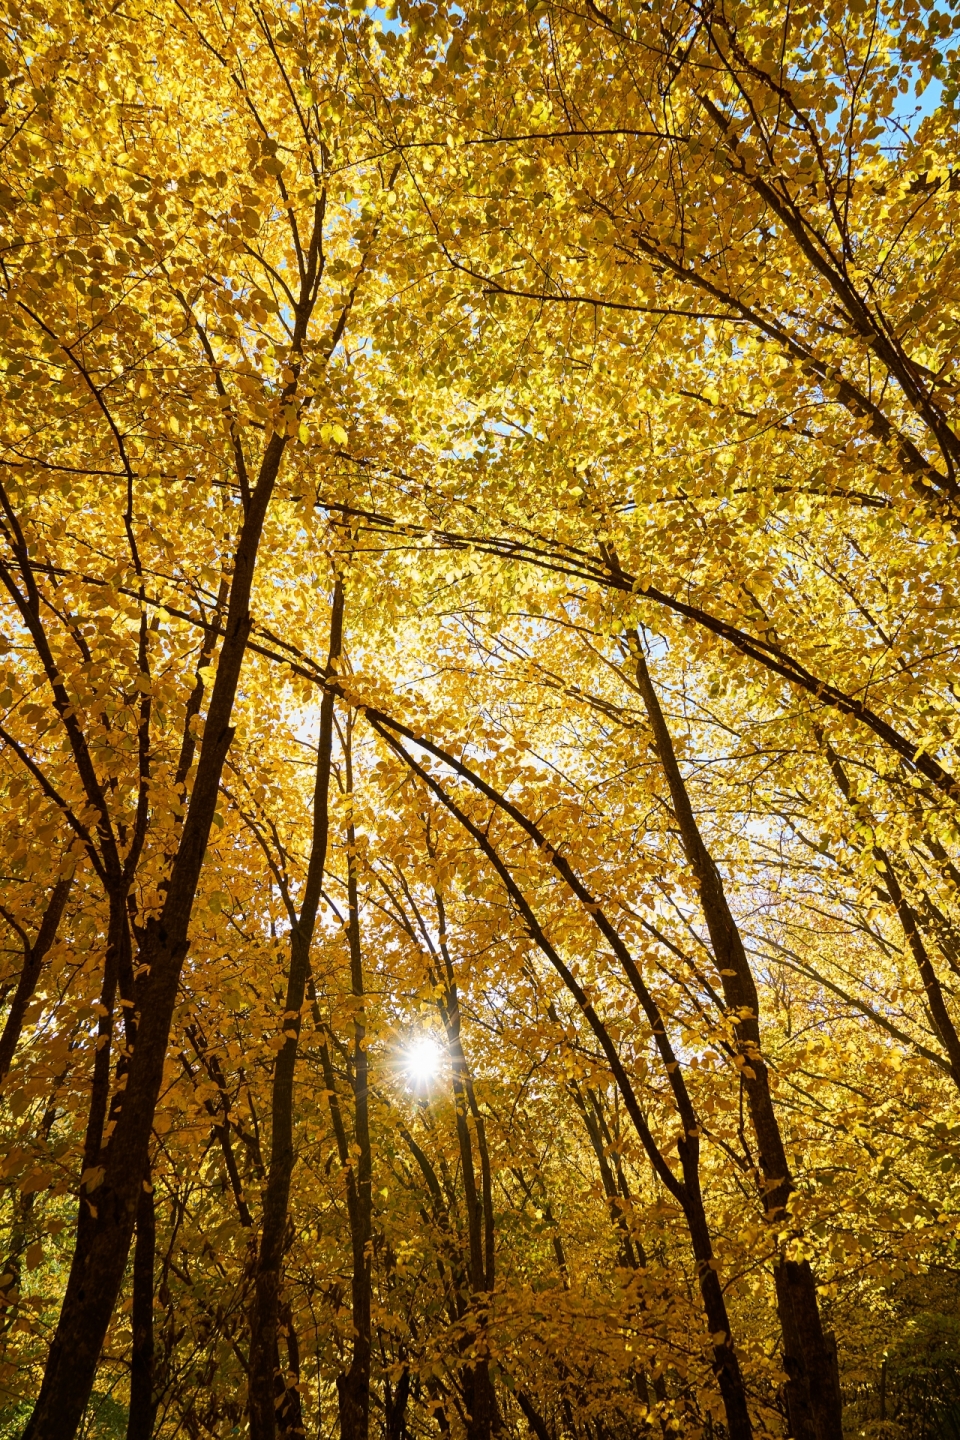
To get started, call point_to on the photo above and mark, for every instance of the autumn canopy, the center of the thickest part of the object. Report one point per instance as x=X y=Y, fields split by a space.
x=479 y=720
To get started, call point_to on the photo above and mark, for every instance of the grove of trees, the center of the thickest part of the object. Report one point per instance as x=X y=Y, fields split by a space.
x=479 y=719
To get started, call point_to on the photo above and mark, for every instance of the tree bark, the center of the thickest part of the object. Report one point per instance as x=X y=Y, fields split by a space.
x=34 y=955
x=395 y=1406
x=143 y=1398
x=353 y=1388
x=479 y=1392
x=632 y=1255
x=942 y=1021
x=117 y=963
x=266 y=1383
x=100 y=1255
x=538 y=1426
x=23 y=1206
x=813 y=1394
x=11 y=1274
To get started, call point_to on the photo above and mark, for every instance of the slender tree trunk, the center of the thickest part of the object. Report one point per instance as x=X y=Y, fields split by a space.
x=290 y=1412
x=813 y=1391
x=100 y=1255
x=436 y=1393
x=350 y=1403
x=483 y=1411
x=538 y=1426
x=354 y=1387
x=632 y=1255
x=11 y=1273
x=116 y=962
x=23 y=1206
x=143 y=1397
x=940 y=1015
x=467 y=1303
x=33 y=957
x=395 y=1406
x=629 y=1256
x=266 y=1383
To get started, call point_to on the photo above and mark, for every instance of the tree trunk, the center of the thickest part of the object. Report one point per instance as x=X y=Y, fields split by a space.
x=479 y=1392
x=23 y=1206
x=631 y=1253
x=940 y=1015
x=100 y=1256
x=483 y=1416
x=538 y=1426
x=143 y=1399
x=812 y=1393
x=354 y=1387
x=395 y=1406
x=266 y=1383
x=33 y=958
x=11 y=1274
x=116 y=962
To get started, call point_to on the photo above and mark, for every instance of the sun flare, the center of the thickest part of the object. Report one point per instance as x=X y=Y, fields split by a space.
x=422 y=1060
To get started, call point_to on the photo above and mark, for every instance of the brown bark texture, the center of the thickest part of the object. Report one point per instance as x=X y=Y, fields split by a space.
x=266 y=1382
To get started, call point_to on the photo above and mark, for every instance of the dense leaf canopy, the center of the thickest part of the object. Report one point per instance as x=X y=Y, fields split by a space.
x=479 y=719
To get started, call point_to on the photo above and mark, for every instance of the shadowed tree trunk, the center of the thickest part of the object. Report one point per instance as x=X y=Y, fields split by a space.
x=909 y=922
x=103 y=1244
x=809 y=1356
x=483 y=1415
x=143 y=1398
x=353 y=1387
x=534 y=1419
x=395 y=1406
x=274 y=1404
x=483 y=1412
x=23 y=1206
x=34 y=954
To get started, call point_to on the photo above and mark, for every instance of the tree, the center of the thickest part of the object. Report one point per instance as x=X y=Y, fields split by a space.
x=478 y=544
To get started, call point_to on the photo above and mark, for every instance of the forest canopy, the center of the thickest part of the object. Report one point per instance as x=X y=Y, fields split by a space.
x=479 y=720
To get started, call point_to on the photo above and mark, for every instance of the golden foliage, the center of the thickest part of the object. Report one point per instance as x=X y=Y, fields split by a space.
x=536 y=1012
